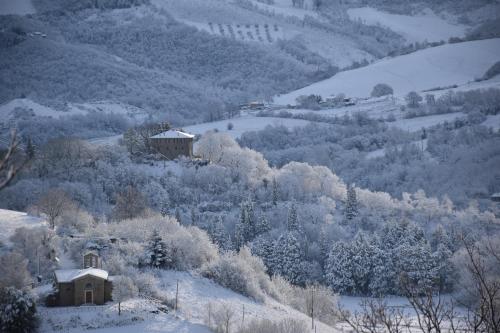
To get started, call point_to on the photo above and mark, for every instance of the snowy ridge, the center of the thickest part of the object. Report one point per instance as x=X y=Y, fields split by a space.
x=424 y=27
x=446 y=65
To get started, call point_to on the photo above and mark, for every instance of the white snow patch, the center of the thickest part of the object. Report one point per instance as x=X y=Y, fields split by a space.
x=16 y=7
x=493 y=122
x=244 y=124
x=440 y=66
x=11 y=220
x=425 y=26
x=196 y=293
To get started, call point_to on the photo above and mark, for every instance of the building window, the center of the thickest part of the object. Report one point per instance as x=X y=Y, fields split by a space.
x=88 y=286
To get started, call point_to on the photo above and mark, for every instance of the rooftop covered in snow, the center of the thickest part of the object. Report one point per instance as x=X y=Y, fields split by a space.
x=69 y=275
x=173 y=134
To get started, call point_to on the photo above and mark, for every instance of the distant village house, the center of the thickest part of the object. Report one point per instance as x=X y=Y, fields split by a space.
x=172 y=144
x=90 y=285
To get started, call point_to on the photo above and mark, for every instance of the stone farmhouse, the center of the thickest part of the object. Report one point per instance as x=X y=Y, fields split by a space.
x=173 y=143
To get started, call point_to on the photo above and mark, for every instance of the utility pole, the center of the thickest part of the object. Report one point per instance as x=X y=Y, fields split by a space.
x=176 y=295
x=209 y=315
x=312 y=307
x=243 y=317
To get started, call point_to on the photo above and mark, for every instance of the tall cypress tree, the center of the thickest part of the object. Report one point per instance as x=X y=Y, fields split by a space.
x=293 y=222
x=156 y=253
x=351 y=206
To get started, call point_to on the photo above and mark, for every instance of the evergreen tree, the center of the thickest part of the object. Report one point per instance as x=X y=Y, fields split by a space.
x=263 y=226
x=263 y=247
x=30 y=149
x=384 y=273
x=178 y=215
x=246 y=227
x=338 y=272
x=292 y=261
x=164 y=209
x=444 y=267
x=17 y=311
x=418 y=263
x=219 y=235
x=287 y=260
x=275 y=192
x=362 y=264
x=351 y=206
x=156 y=251
x=193 y=216
x=293 y=222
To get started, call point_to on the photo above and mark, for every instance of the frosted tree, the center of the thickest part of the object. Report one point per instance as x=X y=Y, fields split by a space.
x=14 y=271
x=53 y=204
x=288 y=258
x=17 y=311
x=293 y=221
x=338 y=271
x=384 y=273
x=413 y=99
x=219 y=235
x=130 y=203
x=351 y=206
x=362 y=263
x=246 y=227
x=178 y=215
x=193 y=216
x=382 y=89
x=123 y=289
x=444 y=267
x=156 y=251
x=418 y=264
x=275 y=192
x=263 y=247
x=263 y=225
x=164 y=207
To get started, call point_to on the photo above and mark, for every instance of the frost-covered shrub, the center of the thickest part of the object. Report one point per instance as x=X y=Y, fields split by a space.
x=239 y=272
x=17 y=311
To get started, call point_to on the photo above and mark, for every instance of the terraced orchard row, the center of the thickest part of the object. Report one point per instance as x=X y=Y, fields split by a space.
x=263 y=33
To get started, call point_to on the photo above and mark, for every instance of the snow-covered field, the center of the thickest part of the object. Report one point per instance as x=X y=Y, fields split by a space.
x=243 y=124
x=11 y=220
x=416 y=124
x=426 y=26
x=440 y=66
x=16 y=7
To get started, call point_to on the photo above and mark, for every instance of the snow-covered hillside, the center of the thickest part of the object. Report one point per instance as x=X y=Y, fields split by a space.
x=196 y=295
x=440 y=66
x=284 y=22
x=426 y=26
x=16 y=7
x=243 y=124
x=9 y=109
x=11 y=220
